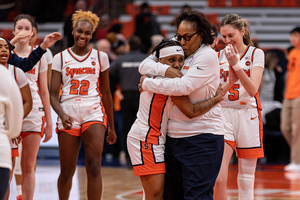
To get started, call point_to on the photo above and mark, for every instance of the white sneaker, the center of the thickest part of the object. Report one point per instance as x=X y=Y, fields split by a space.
x=292 y=167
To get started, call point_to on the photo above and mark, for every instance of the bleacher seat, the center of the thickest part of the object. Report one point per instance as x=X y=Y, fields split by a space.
x=216 y=3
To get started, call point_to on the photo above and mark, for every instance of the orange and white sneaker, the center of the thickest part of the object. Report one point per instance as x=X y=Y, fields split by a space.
x=19 y=197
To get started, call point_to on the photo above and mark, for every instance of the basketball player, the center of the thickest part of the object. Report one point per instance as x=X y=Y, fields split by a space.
x=241 y=69
x=48 y=54
x=33 y=128
x=84 y=107
x=147 y=136
x=20 y=77
x=11 y=114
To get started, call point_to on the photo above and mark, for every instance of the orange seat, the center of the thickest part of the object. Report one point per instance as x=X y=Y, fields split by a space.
x=160 y=10
x=279 y=3
x=7 y=34
x=259 y=3
x=132 y=9
x=216 y=3
x=128 y=28
x=294 y=3
x=241 y=3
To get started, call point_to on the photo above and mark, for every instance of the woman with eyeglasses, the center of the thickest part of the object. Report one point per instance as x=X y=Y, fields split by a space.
x=194 y=146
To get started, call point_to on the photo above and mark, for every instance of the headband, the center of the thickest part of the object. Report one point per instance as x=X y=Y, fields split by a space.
x=171 y=50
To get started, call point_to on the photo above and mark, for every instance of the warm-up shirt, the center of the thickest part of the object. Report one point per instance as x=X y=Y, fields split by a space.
x=293 y=81
x=200 y=82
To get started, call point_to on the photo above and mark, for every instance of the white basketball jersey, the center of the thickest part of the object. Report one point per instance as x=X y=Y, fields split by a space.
x=80 y=74
x=33 y=76
x=237 y=96
x=18 y=75
x=152 y=118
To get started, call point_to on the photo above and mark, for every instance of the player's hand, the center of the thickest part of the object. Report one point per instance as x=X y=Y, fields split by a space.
x=17 y=140
x=47 y=132
x=232 y=55
x=141 y=82
x=50 y=40
x=21 y=35
x=219 y=92
x=67 y=121
x=112 y=137
x=173 y=73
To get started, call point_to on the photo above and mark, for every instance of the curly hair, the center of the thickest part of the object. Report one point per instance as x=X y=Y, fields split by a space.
x=199 y=20
x=80 y=15
x=236 y=22
x=30 y=18
x=164 y=43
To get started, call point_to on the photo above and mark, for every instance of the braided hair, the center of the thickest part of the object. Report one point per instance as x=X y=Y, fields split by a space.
x=164 y=43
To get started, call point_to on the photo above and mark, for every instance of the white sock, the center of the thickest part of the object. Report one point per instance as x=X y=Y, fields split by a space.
x=246 y=175
x=19 y=189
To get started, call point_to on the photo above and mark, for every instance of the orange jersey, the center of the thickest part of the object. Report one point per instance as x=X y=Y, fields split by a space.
x=292 y=81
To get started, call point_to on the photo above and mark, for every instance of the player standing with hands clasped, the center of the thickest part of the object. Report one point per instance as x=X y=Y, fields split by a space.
x=84 y=75
x=241 y=69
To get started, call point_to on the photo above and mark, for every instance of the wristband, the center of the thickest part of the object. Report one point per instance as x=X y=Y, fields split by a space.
x=237 y=66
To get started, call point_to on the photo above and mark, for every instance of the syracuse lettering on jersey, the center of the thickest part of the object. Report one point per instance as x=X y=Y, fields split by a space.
x=81 y=70
x=225 y=74
x=32 y=71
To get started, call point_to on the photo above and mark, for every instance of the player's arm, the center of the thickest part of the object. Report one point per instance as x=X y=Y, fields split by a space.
x=108 y=105
x=44 y=94
x=27 y=99
x=193 y=110
x=26 y=64
x=252 y=83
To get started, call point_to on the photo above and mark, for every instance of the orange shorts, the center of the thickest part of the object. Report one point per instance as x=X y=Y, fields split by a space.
x=146 y=158
x=14 y=153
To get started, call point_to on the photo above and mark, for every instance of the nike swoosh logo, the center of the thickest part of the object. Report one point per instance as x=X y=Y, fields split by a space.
x=66 y=62
x=200 y=68
x=222 y=63
x=252 y=118
x=96 y=107
x=178 y=50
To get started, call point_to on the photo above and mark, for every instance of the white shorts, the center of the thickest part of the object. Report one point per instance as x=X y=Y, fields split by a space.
x=146 y=158
x=84 y=115
x=244 y=131
x=34 y=122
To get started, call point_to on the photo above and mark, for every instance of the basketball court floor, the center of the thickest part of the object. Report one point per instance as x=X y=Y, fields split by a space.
x=271 y=183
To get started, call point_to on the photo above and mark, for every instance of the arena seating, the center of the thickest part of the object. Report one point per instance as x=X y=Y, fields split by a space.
x=270 y=20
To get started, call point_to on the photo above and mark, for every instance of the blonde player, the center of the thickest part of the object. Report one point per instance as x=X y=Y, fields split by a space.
x=241 y=69
x=33 y=125
x=84 y=75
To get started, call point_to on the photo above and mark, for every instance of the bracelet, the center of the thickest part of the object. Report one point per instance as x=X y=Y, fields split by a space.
x=237 y=66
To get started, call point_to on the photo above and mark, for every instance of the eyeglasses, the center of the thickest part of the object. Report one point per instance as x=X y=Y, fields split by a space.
x=178 y=37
